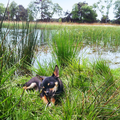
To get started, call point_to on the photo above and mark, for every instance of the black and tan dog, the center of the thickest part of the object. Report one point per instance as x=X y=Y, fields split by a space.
x=51 y=87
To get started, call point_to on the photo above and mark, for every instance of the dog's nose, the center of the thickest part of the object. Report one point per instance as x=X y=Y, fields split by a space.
x=47 y=92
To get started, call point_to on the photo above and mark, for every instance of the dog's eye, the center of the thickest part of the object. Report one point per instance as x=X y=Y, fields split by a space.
x=48 y=84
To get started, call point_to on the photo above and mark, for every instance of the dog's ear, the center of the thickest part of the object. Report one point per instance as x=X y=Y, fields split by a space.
x=56 y=71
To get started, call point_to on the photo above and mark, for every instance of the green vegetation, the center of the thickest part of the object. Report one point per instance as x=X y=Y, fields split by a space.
x=87 y=96
x=105 y=36
x=91 y=90
x=66 y=45
x=83 y=13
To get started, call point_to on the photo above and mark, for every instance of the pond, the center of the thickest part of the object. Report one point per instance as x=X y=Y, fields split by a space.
x=95 y=53
x=91 y=53
x=43 y=53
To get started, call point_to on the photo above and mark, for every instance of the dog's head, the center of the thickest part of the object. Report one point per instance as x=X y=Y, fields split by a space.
x=51 y=84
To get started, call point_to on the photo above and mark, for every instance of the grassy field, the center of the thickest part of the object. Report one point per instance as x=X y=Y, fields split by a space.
x=91 y=90
x=54 y=25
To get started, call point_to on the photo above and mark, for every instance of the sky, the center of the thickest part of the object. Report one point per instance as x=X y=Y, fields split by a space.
x=65 y=5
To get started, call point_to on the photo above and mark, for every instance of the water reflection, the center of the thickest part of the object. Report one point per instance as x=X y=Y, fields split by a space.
x=23 y=43
x=13 y=36
x=43 y=53
x=91 y=53
x=43 y=56
x=94 y=53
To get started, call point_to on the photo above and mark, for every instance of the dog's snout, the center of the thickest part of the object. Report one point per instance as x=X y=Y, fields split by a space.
x=47 y=92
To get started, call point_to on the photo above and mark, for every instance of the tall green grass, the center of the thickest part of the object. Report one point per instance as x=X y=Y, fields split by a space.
x=91 y=90
x=66 y=45
x=48 y=26
x=86 y=95
x=10 y=55
x=7 y=101
x=22 y=40
x=107 y=36
x=89 y=93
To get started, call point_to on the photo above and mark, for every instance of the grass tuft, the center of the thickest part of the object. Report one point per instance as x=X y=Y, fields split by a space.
x=65 y=46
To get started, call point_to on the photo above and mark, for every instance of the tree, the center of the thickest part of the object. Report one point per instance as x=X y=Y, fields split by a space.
x=104 y=19
x=57 y=9
x=2 y=9
x=21 y=13
x=83 y=13
x=3 y=15
x=77 y=10
x=103 y=6
x=32 y=11
x=12 y=10
x=117 y=11
x=88 y=14
x=68 y=17
x=47 y=8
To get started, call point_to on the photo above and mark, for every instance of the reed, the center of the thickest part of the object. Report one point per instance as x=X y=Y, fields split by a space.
x=101 y=68
x=95 y=102
x=7 y=101
x=65 y=45
x=22 y=43
x=105 y=36
x=45 y=69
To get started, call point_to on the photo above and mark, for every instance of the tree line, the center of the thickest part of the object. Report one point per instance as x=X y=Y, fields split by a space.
x=43 y=10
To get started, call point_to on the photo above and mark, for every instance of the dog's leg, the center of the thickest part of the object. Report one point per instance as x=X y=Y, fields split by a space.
x=52 y=101
x=32 y=85
x=25 y=87
x=44 y=98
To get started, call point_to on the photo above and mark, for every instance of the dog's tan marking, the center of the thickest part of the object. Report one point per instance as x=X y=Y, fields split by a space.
x=55 y=88
x=44 y=98
x=43 y=87
x=44 y=91
x=48 y=84
x=24 y=87
x=52 y=100
x=41 y=79
x=56 y=83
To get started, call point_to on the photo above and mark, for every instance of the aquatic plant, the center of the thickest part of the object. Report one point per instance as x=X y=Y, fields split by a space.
x=65 y=45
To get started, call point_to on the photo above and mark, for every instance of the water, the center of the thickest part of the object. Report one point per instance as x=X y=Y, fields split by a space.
x=43 y=55
x=91 y=53
x=12 y=36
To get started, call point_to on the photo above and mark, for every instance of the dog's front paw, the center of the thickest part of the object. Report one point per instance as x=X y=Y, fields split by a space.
x=50 y=105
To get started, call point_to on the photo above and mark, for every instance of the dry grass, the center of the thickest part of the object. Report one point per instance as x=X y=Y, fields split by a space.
x=66 y=23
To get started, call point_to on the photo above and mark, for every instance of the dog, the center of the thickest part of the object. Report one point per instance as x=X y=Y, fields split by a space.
x=51 y=87
x=34 y=83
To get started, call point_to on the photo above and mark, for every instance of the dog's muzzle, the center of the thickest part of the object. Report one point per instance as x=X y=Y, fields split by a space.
x=50 y=94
